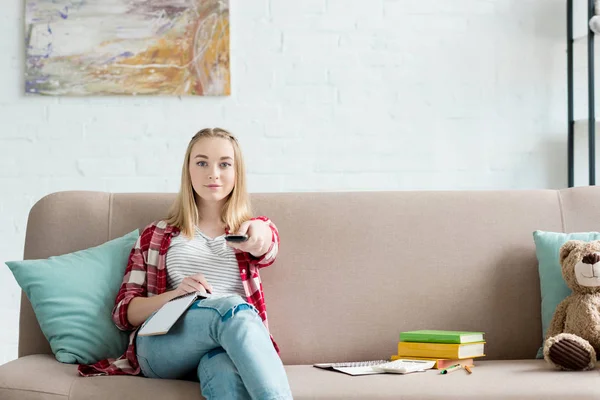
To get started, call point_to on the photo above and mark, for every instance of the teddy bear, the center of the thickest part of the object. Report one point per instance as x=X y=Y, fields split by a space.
x=573 y=337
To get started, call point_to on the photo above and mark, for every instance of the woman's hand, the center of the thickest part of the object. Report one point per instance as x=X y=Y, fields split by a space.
x=193 y=283
x=259 y=238
x=140 y=308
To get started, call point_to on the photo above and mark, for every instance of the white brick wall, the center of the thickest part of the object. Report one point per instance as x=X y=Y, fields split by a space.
x=342 y=94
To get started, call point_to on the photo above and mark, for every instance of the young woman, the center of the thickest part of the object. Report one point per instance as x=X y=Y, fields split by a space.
x=222 y=341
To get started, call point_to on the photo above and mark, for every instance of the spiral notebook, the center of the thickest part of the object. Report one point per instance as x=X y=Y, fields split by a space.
x=169 y=313
x=353 y=367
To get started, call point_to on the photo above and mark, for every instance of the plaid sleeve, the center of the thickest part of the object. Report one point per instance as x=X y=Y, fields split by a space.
x=134 y=282
x=269 y=257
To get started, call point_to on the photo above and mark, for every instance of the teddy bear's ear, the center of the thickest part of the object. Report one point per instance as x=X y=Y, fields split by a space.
x=569 y=246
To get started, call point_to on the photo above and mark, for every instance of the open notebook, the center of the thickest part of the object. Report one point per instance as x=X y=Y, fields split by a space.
x=353 y=367
x=168 y=314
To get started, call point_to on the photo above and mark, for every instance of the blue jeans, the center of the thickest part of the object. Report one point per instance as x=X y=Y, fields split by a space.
x=223 y=343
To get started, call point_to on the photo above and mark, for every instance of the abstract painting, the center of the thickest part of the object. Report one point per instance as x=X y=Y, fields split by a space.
x=127 y=47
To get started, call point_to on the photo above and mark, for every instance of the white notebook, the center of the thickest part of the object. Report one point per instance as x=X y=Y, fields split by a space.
x=353 y=367
x=168 y=314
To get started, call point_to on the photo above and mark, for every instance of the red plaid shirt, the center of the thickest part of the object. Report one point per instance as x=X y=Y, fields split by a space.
x=146 y=275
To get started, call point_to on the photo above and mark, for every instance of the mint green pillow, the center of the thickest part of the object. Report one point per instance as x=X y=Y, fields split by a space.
x=73 y=295
x=552 y=285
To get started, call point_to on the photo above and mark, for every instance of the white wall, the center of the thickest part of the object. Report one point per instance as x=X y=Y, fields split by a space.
x=326 y=95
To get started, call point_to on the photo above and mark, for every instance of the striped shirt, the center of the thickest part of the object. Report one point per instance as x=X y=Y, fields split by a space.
x=210 y=257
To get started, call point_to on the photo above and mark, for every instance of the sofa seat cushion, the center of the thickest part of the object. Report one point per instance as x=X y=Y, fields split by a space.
x=41 y=377
x=518 y=379
x=36 y=377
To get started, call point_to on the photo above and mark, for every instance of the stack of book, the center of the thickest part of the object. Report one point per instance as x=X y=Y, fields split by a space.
x=445 y=347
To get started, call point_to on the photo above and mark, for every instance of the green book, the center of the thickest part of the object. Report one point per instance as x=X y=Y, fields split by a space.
x=434 y=336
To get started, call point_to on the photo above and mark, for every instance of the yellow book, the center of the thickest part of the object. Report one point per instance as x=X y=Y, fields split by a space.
x=440 y=350
x=440 y=363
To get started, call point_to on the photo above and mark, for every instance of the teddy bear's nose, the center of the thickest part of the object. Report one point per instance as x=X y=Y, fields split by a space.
x=591 y=258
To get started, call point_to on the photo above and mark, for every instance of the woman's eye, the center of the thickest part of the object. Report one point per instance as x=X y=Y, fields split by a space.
x=225 y=165
x=202 y=163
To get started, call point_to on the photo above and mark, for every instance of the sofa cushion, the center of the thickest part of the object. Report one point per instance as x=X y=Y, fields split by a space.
x=41 y=377
x=518 y=379
x=36 y=377
x=73 y=296
x=552 y=285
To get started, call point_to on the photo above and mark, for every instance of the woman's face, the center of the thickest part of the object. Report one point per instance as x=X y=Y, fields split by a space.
x=212 y=169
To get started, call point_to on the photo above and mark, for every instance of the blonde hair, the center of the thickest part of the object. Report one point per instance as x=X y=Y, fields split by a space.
x=184 y=212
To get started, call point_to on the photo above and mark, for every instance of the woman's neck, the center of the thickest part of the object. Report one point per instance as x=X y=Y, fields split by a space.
x=210 y=217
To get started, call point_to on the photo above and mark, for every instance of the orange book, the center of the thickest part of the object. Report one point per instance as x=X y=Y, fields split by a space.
x=440 y=350
x=440 y=363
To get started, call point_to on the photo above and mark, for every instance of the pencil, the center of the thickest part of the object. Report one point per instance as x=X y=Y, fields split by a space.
x=450 y=369
x=468 y=369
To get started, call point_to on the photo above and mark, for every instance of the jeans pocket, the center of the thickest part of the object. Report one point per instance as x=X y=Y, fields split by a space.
x=225 y=306
x=146 y=368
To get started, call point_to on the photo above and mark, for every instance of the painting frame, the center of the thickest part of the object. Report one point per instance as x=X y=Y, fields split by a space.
x=127 y=47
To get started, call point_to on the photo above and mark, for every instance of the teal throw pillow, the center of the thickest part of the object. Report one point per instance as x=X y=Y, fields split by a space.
x=73 y=295
x=552 y=285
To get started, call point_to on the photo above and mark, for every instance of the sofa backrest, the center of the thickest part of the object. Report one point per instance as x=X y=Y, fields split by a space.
x=357 y=268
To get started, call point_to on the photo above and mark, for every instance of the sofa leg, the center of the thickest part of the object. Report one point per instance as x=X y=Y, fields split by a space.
x=569 y=352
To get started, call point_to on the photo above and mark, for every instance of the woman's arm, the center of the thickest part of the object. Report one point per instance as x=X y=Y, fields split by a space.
x=140 y=308
x=262 y=243
x=132 y=306
x=269 y=252
x=133 y=285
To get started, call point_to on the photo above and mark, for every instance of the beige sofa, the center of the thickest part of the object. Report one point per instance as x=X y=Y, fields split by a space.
x=354 y=270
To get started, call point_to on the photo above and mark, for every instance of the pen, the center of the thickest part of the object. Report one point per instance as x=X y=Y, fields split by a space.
x=451 y=368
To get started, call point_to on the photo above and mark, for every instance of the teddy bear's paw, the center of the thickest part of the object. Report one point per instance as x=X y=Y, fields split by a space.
x=570 y=352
